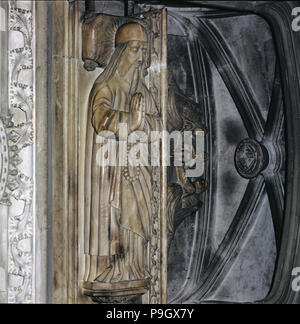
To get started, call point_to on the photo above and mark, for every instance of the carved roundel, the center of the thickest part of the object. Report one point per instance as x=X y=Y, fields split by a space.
x=251 y=158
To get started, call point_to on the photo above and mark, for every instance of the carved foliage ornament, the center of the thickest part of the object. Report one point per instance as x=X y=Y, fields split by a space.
x=16 y=134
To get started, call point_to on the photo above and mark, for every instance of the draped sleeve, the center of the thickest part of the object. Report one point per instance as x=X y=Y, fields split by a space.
x=104 y=117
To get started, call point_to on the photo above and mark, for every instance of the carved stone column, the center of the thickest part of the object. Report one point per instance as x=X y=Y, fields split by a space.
x=23 y=152
x=17 y=139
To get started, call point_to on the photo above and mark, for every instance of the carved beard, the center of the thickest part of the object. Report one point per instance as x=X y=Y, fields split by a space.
x=137 y=74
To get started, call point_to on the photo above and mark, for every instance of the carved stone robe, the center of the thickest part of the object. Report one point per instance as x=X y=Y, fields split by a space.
x=118 y=212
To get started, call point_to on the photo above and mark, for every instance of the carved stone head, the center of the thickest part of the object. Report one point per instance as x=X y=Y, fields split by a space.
x=135 y=36
x=103 y=34
x=130 y=32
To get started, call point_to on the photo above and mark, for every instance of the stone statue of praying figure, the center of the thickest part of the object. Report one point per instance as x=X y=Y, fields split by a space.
x=118 y=198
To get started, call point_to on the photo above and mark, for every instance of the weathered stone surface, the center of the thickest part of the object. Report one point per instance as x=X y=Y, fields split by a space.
x=44 y=87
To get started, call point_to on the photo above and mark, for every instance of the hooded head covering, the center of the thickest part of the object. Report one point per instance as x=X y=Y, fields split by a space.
x=130 y=32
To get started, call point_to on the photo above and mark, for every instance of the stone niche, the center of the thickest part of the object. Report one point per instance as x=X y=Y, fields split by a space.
x=210 y=69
